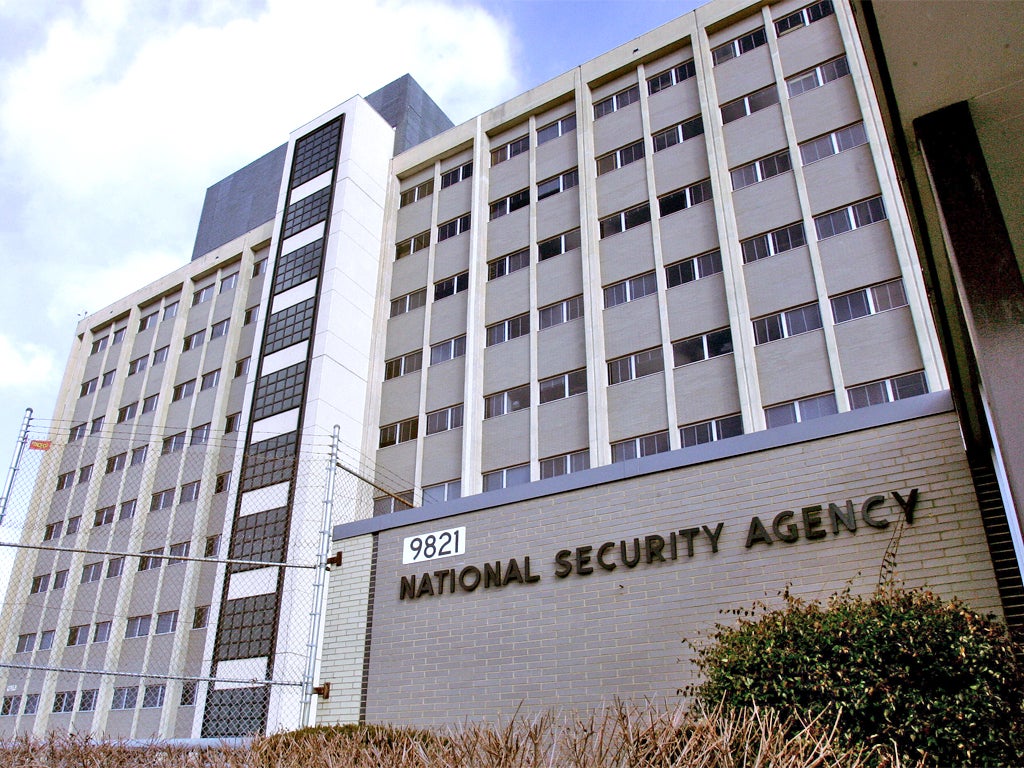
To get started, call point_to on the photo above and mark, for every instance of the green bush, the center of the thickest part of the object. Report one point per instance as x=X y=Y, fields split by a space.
x=900 y=668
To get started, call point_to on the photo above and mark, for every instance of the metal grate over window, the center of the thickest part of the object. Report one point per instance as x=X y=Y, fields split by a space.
x=269 y=461
x=261 y=537
x=316 y=153
x=308 y=211
x=289 y=326
x=279 y=391
x=299 y=266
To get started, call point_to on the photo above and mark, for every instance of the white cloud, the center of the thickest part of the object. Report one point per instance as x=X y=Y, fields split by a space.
x=25 y=365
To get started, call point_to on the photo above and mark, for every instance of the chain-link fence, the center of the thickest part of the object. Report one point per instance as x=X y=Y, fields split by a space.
x=148 y=596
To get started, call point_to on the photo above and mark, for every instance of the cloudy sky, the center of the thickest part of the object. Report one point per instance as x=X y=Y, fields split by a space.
x=116 y=115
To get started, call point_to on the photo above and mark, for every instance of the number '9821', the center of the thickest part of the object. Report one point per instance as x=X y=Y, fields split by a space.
x=431 y=546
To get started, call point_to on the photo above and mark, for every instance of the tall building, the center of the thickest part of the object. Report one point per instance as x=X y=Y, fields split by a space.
x=631 y=315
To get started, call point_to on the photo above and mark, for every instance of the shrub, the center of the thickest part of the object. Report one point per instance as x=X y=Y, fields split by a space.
x=902 y=668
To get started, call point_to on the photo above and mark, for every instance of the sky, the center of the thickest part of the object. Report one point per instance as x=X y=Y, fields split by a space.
x=116 y=115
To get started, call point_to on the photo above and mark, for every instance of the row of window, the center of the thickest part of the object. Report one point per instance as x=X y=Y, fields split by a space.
x=153 y=697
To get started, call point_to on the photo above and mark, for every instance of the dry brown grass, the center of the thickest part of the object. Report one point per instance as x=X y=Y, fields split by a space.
x=620 y=736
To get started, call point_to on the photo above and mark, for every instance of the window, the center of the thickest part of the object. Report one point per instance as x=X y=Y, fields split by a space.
x=161 y=500
x=448 y=350
x=118 y=336
x=64 y=701
x=183 y=390
x=231 y=422
x=444 y=419
x=242 y=367
x=400 y=366
x=46 y=639
x=800 y=410
x=87 y=703
x=774 y=242
x=409 y=302
x=698 y=348
x=450 y=286
x=194 y=341
x=506 y=478
x=252 y=314
x=420 y=191
x=803 y=17
x=441 y=492
x=258 y=267
x=54 y=530
x=60 y=579
x=88 y=387
x=885 y=391
x=39 y=584
x=124 y=698
x=620 y=157
x=616 y=102
x=219 y=329
x=209 y=380
x=762 y=169
x=685 y=198
x=127 y=509
x=115 y=567
x=554 y=130
x=98 y=345
x=78 y=635
x=416 y=243
x=564 y=464
x=149 y=560
x=116 y=463
x=200 y=435
x=508 y=264
x=171 y=310
x=635 y=366
x=638 y=447
x=138 y=456
x=401 y=432
x=678 y=133
x=166 y=622
x=851 y=217
x=153 y=696
x=509 y=329
x=739 y=46
x=103 y=516
x=557 y=184
x=212 y=548
x=189 y=492
x=833 y=143
x=149 y=404
x=786 y=324
x=74 y=523
x=147 y=322
x=160 y=355
x=138 y=365
x=456 y=175
x=510 y=400
x=203 y=294
x=631 y=289
x=749 y=104
x=620 y=222
x=222 y=482
x=693 y=269
x=85 y=473
x=868 y=301
x=126 y=412
x=201 y=616
x=26 y=643
x=709 y=431
x=564 y=385
x=817 y=77
x=562 y=312
x=92 y=572
x=173 y=443
x=385 y=505
x=558 y=245
x=510 y=150
x=101 y=632
x=453 y=227
x=671 y=77
x=228 y=283
x=10 y=706
x=77 y=432
x=513 y=202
